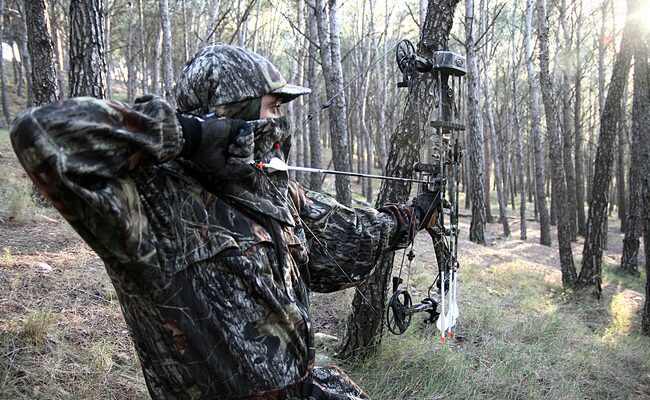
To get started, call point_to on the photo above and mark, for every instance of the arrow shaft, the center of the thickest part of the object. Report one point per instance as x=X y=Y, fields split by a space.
x=335 y=172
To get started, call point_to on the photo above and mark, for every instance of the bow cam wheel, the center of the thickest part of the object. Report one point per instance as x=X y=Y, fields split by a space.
x=404 y=54
x=398 y=315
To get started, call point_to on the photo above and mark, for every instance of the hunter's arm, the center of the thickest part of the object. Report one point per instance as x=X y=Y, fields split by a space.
x=79 y=153
x=345 y=243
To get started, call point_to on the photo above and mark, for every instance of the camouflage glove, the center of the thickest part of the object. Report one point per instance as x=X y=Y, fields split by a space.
x=222 y=148
x=424 y=210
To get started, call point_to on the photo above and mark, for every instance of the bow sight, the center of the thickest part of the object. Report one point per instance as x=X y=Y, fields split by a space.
x=438 y=81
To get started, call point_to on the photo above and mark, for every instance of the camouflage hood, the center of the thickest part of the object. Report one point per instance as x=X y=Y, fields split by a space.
x=222 y=74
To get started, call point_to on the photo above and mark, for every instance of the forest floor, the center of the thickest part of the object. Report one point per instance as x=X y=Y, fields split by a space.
x=62 y=335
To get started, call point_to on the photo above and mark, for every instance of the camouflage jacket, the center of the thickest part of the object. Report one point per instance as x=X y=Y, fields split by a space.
x=213 y=278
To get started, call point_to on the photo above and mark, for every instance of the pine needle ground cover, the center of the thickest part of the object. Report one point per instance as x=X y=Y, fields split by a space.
x=62 y=335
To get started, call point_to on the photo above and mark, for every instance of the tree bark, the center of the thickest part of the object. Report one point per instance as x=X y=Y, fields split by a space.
x=331 y=62
x=314 y=128
x=365 y=322
x=131 y=73
x=578 y=121
x=638 y=163
x=107 y=46
x=542 y=209
x=620 y=170
x=24 y=53
x=87 y=65
x=143 y=49
x=640 y=122
x=474 y=130
x=57 y=47
x=39 y=43
x=501 y=195
x=168 y=69
x=564 y=214
x=517 y=127
x=3 y=82
x=592 y=253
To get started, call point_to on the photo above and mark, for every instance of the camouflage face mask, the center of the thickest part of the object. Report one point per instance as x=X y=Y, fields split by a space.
x=272 y=138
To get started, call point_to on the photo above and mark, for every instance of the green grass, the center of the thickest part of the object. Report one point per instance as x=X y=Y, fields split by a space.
x=613 y=274
x=522 y=340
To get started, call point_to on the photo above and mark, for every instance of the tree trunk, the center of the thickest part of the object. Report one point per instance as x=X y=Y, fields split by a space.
x=24 y=53
x=474 y=129
x=577 y=119
x=155 y=72
x=331 y=63
x=567 y=126
x=638 y=164
x=3 y=83
x=620 y=173
x=487 y=156
x=518 y=133
x=592 y=253
x=131 y=73
x=107 y=46
x=640 y=122
x=564 y=215
x=544 y=218
x=168 y=69
x=365 y=322
x=87 y=66
x=186 y=55
x=496 y=154
x=314 y=128
x=143 y=49
x=57 y=47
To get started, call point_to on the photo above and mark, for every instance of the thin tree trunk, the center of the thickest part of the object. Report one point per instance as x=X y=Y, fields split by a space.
x=639 y=155
x=518 y=133
x=475 y=145
x=314 y=128
x=58 y=51
x=130 y=59
x=107 y=46
x=544 y=218
x=3 y=83
x=592 y=253
x=168 y=68
x=186 y=55
x=501 y=195
x=578 y=121
x=565 y=216
x=567 y=126
x=24 y=53
x=331 y=63
x=155 y=73
x=143 y=49
x=620 y=165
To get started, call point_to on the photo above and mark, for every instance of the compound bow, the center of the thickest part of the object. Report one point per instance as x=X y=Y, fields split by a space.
x=446 y=71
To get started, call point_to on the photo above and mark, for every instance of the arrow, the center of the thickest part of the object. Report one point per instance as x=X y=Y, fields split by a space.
x=442 y=323
x=278 y=165
x=453 y=306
